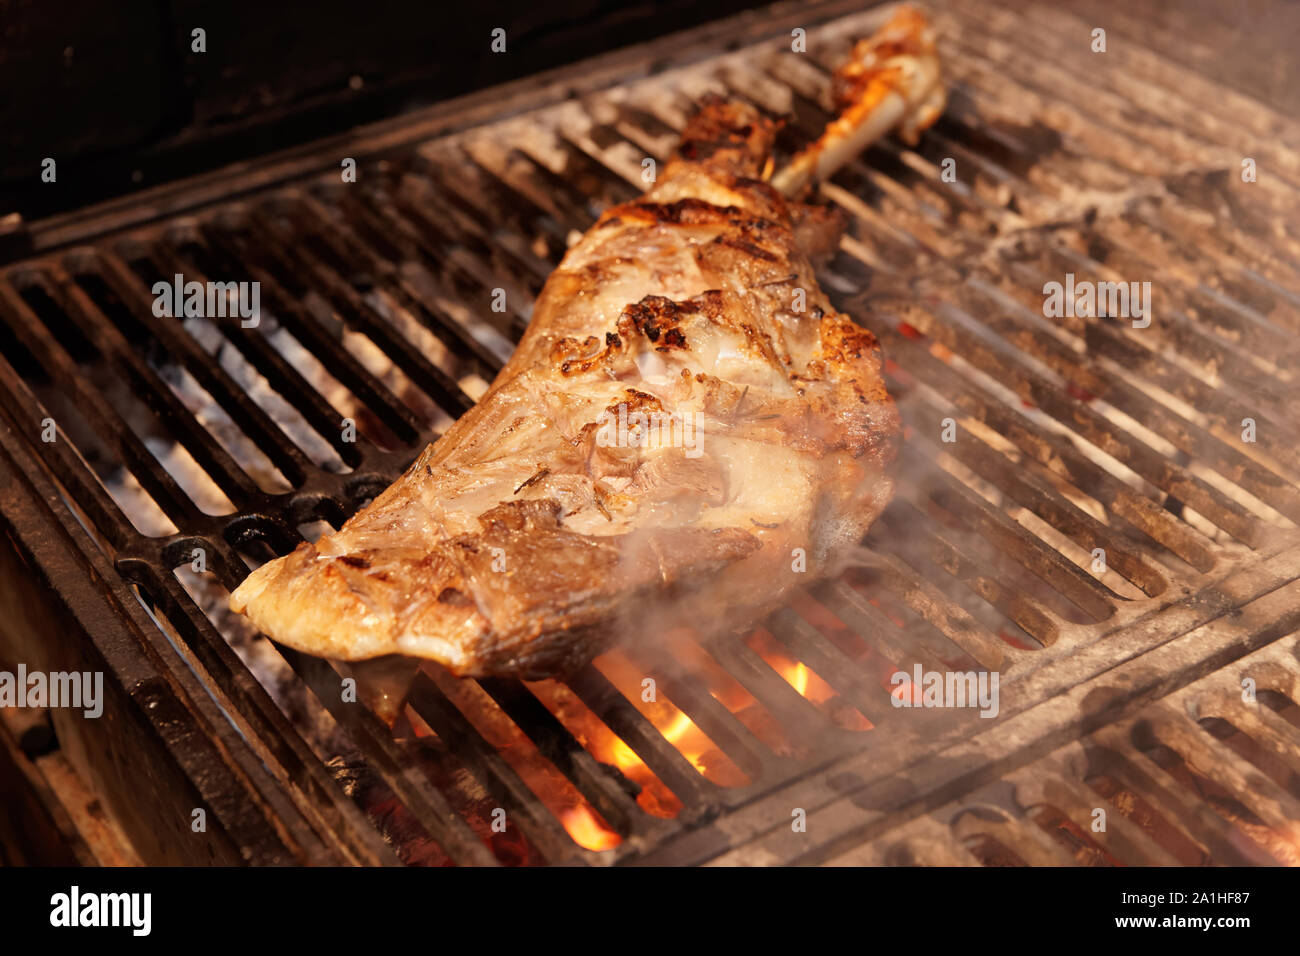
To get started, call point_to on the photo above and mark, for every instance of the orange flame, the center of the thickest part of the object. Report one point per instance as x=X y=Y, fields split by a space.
x=806 y=682
x=794 y=672
x=587 y=830
x=552 y=788
x=677 y=728
x=601 y=742
x=799 y=679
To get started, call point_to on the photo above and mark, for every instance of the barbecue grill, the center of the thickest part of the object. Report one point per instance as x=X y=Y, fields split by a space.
x=1101 y=513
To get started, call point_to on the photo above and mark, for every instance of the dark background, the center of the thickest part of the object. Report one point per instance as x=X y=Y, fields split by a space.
x=111 y=90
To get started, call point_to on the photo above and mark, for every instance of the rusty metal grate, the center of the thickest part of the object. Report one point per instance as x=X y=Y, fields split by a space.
x=1072 y=436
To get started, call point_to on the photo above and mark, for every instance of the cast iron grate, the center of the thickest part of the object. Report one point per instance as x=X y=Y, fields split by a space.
x=1074 y=436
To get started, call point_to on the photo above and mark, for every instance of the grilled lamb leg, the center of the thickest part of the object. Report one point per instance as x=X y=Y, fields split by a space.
x=687 y=429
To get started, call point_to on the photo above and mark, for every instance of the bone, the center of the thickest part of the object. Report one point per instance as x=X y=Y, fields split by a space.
x=890 y=81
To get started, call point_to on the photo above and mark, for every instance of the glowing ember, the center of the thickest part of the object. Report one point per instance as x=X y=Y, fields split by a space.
x=806 y=682
x=601 y=742
x=553 y=789
x=799 y=680
x=677 y=728
x=587 y=830
x=683 y=646
x=795 y=673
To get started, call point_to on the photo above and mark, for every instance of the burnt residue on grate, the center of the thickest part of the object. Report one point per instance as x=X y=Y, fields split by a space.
x=1074 y=491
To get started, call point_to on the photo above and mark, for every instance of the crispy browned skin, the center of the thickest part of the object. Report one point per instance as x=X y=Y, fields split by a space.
x=526 y=538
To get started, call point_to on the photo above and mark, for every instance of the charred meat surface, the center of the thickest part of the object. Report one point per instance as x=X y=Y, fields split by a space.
x=687 y=429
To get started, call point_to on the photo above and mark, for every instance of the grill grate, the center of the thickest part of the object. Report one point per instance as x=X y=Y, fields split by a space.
x=1072 y=435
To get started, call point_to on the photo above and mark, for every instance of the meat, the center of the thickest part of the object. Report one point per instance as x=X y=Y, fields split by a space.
x=891 y=79
x=687 y=430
